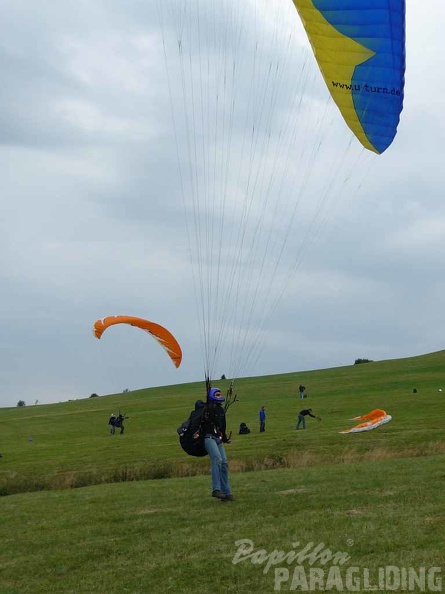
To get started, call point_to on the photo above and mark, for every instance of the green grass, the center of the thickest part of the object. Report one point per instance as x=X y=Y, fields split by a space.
x=377 y=497
x=71 y=445
x=170 y=536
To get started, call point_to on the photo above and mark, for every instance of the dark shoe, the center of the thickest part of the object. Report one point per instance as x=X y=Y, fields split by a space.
x=228 y=497
x=217 y=494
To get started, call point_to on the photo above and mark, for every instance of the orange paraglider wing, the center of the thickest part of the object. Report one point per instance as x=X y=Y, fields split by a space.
x=159 y=333
x=370 y=421
x=374 y=414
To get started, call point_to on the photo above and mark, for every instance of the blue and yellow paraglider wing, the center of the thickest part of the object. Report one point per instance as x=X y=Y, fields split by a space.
x=360 y=49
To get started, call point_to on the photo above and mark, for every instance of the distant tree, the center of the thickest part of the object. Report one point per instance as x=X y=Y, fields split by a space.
x=125 y=391
x=359 y=361
x=223 y=377
x=94 y=395
x=21 y=403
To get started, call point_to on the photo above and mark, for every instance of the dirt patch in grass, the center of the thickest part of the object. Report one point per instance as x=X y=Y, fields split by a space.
x=292 y=491
x=436 y=520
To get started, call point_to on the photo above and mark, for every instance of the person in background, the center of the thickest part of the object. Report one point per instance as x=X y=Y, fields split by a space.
x=262 y=419
x=112 y=424
x=302 y=417
x=119 y=422
x=301 y=390
x=243 y=429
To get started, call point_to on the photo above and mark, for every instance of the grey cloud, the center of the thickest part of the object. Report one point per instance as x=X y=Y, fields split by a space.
x=92 y=216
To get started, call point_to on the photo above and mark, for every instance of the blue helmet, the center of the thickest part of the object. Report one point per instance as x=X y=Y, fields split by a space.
x=215 y=395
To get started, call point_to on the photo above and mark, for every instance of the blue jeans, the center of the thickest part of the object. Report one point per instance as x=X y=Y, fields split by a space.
x=301 y=420
x=219 y=466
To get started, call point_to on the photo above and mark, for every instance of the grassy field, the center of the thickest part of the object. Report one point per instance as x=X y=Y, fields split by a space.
x=376 y=498
x=71 y=445
x=170 y=536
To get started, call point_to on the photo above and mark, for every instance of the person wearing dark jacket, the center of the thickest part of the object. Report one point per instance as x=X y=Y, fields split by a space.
x=112 y=423
x=301 y=417
x=214 y=428
x=119 y=422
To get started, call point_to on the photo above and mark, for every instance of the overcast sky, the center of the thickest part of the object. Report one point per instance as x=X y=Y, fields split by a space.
x=92 y=211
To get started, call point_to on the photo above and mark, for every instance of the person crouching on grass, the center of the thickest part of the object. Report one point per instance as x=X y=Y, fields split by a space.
x=214 y=428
